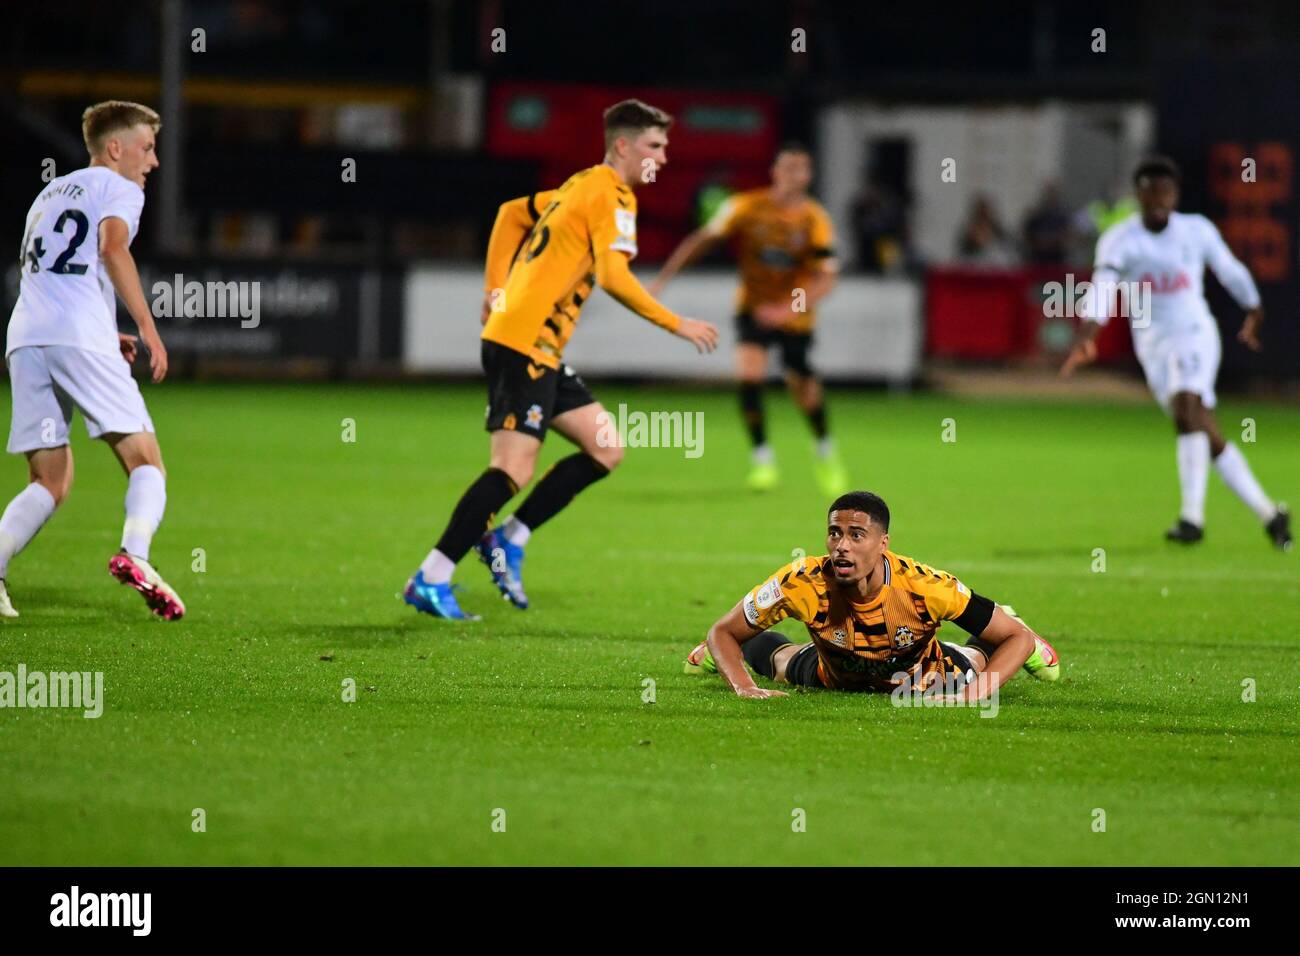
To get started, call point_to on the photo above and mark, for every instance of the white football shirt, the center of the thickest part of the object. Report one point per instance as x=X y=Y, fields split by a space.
x=65 y=296
x=1171 y=265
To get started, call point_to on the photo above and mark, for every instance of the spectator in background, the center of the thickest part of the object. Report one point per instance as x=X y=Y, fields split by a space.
x=983 y=241
x=1047 y=228
x=1116 y=205
x=879 y=223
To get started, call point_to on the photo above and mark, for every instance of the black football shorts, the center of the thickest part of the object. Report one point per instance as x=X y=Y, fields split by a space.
x=524 y=396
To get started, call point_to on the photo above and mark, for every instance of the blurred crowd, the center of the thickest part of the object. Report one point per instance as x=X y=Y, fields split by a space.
x=1051 y=232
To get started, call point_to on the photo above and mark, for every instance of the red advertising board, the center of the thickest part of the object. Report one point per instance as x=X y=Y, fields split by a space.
x=717 y=139
x=1009 y=313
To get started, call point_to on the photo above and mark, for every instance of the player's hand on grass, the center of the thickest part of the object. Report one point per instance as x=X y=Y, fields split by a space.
x=703 y=335
x=127 y=344
x=1249 y=334
x=1082 y=354
x=157 y=357
x=759 y=693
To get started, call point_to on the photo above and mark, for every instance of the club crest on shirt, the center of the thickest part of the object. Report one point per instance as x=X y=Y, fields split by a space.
x=903 y=637
x=840 y=637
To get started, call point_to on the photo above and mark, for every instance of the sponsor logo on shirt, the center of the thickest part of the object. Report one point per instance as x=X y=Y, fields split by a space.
x=1166 y=284
x=768 y=594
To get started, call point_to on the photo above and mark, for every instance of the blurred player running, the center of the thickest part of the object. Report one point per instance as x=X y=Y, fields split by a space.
x=874 y=617
x=546 y=253
x=1178 y=343
x=64 y=350
x=784 y=246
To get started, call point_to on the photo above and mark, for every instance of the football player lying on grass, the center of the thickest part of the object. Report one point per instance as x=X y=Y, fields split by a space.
x=874 y=618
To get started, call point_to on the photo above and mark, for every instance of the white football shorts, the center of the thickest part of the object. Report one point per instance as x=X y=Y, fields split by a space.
x=49 y=381
x=1182 y=362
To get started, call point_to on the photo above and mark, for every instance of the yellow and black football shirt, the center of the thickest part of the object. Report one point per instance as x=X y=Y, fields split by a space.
x=868 y=646
x=579 y=235
x=778 y=249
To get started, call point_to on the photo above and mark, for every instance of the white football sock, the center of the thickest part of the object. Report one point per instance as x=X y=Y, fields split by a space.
x=763 y=455
x=825 y=447
x=25 y=516
x=146 y=500
x=1236 y=474
x=516 y=532
x=437 y=567
x=1193 y=475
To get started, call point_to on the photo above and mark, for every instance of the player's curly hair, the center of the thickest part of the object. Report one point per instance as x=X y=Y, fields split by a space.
x=868 y=503
x=1154 y=166
x=100 y=121
x=631 y=117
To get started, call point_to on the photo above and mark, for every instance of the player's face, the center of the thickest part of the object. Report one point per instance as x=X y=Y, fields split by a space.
x=1158 y=197
x=137 y=153
x=647 y=153
x=855 y=544
x=792 y=172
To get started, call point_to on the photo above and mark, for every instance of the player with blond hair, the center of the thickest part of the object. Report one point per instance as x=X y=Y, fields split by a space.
x=64 y=351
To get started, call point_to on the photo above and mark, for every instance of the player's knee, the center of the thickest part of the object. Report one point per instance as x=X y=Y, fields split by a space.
x=153 y=462
x=607 y=457
x=805 y=390
x=57 y=487
x=520 y=472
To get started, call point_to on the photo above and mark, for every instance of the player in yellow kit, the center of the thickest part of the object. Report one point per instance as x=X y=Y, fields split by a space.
x=546 y=253
x=784 y=247
x=874 y=618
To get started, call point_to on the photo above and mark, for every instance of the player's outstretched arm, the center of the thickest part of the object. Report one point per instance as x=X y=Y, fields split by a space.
x=778 y=313
x=614 y=276
x=1236 y=278
x=1084 y=349
x=1012 y=642
x=725 y=638
x=687 y=251
x=1250 y=326
x=115 y=251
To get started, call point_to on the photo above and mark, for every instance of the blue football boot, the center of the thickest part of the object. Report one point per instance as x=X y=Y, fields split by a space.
x=505 y=561
x=436 y=599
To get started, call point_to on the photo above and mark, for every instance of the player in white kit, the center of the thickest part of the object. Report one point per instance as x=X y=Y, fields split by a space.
x=64 y=351
x=1177 y=340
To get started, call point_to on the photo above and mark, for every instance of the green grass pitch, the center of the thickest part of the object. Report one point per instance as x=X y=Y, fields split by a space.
x=308 y=539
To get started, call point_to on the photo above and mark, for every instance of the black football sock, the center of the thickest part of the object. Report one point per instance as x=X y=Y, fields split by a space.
x=817 y=419
x=984 y=647
x=474 y=512
x=567 y=477
x=751 y=406
x=760 y=650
